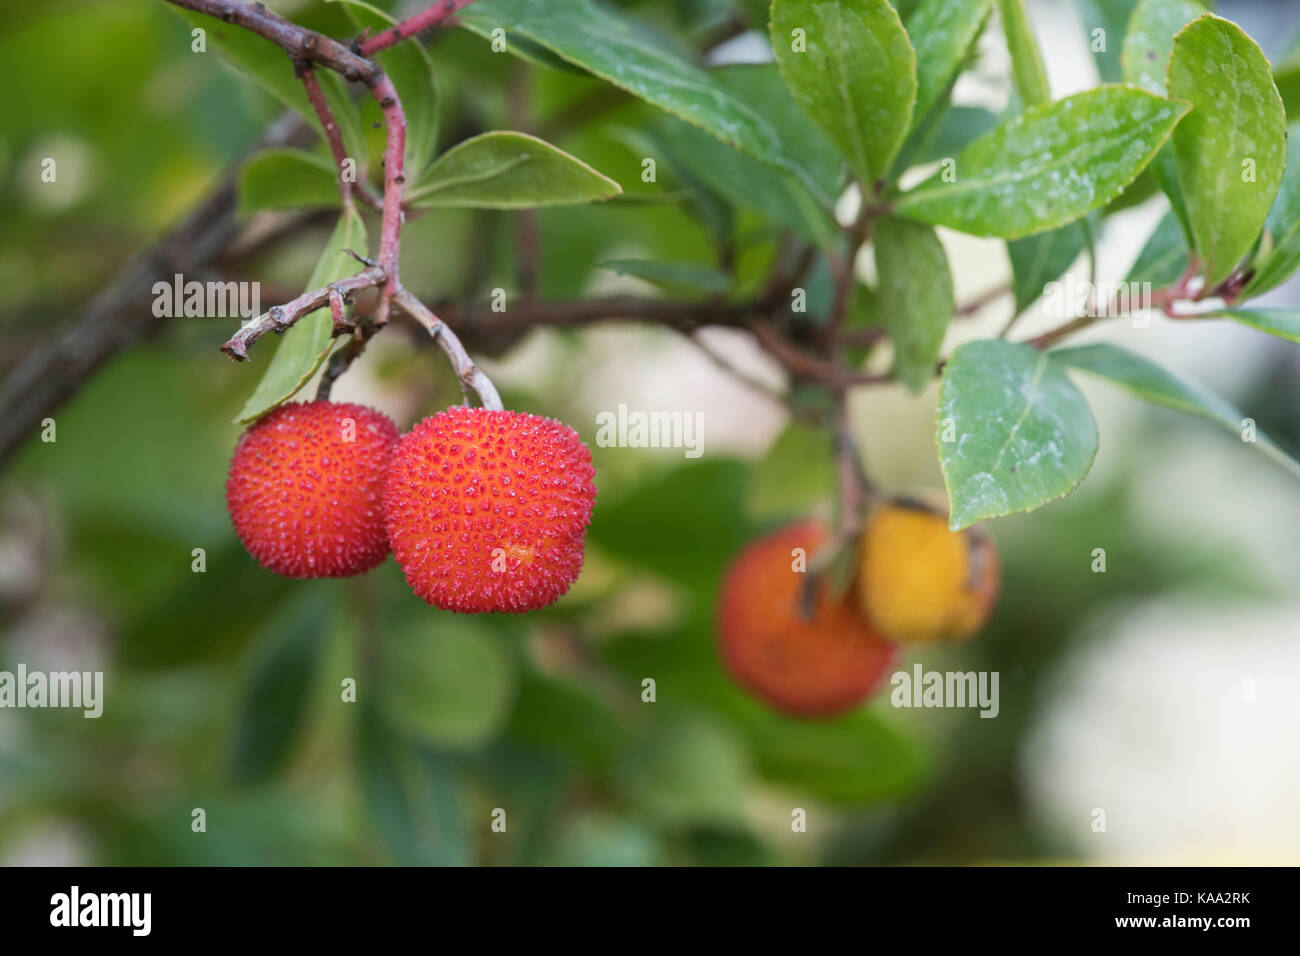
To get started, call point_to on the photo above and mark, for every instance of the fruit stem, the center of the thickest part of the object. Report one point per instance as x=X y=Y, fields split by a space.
x=470 y=375
x=394 y=183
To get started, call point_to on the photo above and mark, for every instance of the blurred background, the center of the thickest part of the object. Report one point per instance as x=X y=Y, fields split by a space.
x=1162 y=692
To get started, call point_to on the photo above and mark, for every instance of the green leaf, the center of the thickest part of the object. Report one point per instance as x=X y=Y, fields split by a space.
x=1145 y=61
x=505 y=170
x=801 y=199
x=704 y=203
x=959 y=126
x=1112 y=17
x=1287 y=80
x=619 y=52
x=853 y=760
x=448 y=683
x=287 y=178
x=305 y=346
x=1027 y=68
x=408 y=65
x=686 y=773
x=1150 y=39
x=1013 y=431
x=1163 y=259
x=851 y=68
x=673 y=276
x=1283 y=225
x=411 y=796
x=684 y=525
x=748 y=184
x=1142 y=189
x=275 y=693
x=1043 y=258
x=1284 y=323
x=816 y=161
x=913 y=277
x=270 y=67
x=942 y=31
x=1049 y=165
x=1165 y=170
x=795 y=475
x=1154 y=384
x=1238 y=123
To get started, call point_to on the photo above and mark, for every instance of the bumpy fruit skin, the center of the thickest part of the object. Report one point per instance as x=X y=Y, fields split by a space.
x=921 y=583
x=818 y=666
x=305 y=501
x=488 y=510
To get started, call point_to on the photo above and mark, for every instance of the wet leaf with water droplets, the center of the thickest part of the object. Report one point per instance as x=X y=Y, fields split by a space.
x=1013 y=431
x=1048 y=166
x=852 y=69
x=1231 y=149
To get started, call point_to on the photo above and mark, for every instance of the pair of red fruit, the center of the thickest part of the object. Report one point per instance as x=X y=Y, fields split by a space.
x=484 y=510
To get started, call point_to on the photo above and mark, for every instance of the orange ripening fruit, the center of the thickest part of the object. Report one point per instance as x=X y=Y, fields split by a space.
x=815 y=666
x=305 y=489
x=921 y=583
x=488 y=510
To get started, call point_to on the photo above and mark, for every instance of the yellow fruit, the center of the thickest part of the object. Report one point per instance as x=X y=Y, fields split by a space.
x=921 y=583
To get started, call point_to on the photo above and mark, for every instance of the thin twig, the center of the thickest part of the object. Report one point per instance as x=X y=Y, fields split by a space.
x=394 y=183
x=347 y=187
x=721 y=361
x=431 y=16
x=470 y=375
x=985 y=298
x=280 y=317
x=848 y=272
x=342 y=360
x=299 y=42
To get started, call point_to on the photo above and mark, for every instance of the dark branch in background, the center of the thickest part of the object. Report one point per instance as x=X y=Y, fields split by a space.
x=846 y=280
x=120 y=313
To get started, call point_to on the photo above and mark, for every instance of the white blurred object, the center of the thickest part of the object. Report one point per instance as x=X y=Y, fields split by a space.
x=737 y=419
x=49 y=844
x=1181 y=726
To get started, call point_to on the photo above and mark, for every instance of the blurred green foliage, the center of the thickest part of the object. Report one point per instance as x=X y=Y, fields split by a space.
x=227 y=690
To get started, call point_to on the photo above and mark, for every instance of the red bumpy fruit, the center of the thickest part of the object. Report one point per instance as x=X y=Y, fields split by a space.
x=487 y=510
x=305 y=489
x=814 y=666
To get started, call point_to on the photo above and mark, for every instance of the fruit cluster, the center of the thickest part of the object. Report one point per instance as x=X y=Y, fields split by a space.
x=810 y=649
x=485 y=510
